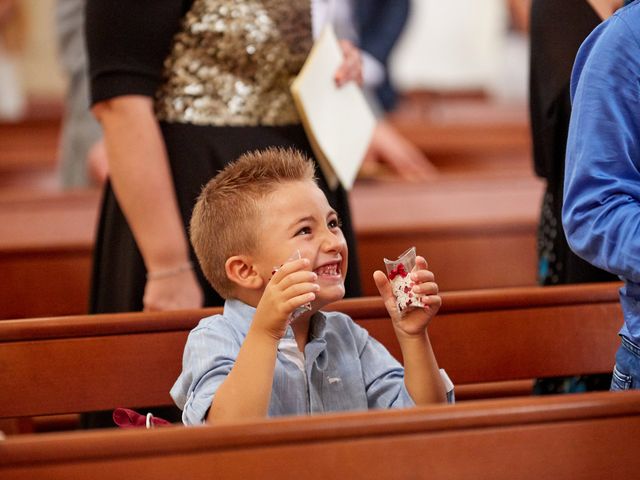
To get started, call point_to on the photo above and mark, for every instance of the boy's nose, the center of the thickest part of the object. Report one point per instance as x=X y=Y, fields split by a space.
x=333 y=242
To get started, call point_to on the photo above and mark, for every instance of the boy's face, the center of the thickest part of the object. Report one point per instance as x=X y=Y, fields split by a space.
x=297 y=216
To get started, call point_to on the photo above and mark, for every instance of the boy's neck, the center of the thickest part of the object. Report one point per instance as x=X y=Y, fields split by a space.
x=300 y=328
x=248 y=297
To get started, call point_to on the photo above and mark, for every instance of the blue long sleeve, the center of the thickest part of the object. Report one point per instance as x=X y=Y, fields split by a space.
x=601 y=211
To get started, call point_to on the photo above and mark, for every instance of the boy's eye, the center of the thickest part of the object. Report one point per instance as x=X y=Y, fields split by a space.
x=335 y=223
x=304 y=231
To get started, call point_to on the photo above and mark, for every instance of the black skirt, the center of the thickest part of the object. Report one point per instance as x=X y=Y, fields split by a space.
x=196 y=153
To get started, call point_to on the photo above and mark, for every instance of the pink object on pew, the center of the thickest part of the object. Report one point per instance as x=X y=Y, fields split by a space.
x=127 y=418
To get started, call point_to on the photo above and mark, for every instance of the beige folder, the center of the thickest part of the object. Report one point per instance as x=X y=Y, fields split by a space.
x=338 y=121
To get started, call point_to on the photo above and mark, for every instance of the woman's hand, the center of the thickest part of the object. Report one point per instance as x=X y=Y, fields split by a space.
x=175 y=292
x=142 y=182
x=389 y=148
x=351 y=68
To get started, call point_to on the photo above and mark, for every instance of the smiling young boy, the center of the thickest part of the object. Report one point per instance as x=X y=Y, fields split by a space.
x=253 y=361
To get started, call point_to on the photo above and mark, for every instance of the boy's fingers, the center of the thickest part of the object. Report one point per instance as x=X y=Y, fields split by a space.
x=301 y=289
x=298 y=277
x=427 y=288
x=384 y=287
x=299 y=300
x=382 y=283
x=432 y=301
x=290 y=267
x=421 y=264
x=421 y=276
x=295 y=265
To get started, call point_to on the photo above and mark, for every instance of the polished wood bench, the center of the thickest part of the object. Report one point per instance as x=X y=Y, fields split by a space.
x=85 y=363
x=29 y=147
x=45 y=253
x=475 y=134
x=461 y=135
x=474 y=233
x=587 y=436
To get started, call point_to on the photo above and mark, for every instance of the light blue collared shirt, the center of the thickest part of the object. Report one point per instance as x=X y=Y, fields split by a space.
x=343 y=368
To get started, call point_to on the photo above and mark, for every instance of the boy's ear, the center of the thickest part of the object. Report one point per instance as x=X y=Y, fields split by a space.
x=240 y=270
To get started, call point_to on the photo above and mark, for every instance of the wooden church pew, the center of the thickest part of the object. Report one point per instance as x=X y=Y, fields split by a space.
x=467 y=134
x=588 y=436
x=29 y=147
x=85 y=363
x=475 y=234
x=46 y=242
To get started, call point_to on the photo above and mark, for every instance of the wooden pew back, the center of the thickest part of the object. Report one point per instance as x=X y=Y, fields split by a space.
x=85 y=363
x=589 y=436
x=462 y=226
x=475 y=233
x=46 y=245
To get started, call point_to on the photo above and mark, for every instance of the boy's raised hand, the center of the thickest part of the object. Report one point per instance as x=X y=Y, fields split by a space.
x=413 y=321
x=291 y=286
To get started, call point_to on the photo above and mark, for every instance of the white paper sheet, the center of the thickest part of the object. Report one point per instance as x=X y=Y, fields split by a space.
x=338 y=121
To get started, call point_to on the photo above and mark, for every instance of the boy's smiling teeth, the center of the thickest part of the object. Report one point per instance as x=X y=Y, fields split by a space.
x=330 y=269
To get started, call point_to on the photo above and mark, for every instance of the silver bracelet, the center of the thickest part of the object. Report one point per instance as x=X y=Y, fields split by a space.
x=169 y=272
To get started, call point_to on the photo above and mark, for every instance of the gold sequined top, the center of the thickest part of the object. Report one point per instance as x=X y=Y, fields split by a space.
x=232 y=62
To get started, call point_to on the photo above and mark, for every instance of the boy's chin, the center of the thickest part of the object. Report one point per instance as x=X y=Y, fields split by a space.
x=330 y=295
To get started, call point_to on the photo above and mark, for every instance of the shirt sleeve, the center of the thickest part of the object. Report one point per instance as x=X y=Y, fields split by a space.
x=601 y=212
x=127 y=43
x=383 y=377
x=209 y=355
x=373 y=72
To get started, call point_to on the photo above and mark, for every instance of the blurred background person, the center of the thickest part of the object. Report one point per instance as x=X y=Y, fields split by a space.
x=373 y=25
x=82 y=158
x=464 y=46
x=376 y=27
x=601 y=210
x=179 y=93
x=12 y=40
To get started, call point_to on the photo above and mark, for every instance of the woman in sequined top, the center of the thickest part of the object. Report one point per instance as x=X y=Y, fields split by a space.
x=181 y=88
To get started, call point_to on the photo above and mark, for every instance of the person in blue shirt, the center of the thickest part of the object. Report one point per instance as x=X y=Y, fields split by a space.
x=259 y=358
x=554 y=43
x=601 y=211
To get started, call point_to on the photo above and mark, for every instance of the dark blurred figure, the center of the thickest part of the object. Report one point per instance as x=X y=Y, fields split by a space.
x=379 y=25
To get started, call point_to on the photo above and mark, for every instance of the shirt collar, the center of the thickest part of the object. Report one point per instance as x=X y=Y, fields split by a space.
x=239 y=313
x=318 y=326
x=242 y=315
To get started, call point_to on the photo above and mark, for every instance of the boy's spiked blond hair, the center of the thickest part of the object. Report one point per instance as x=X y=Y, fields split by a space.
x=225 y=218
